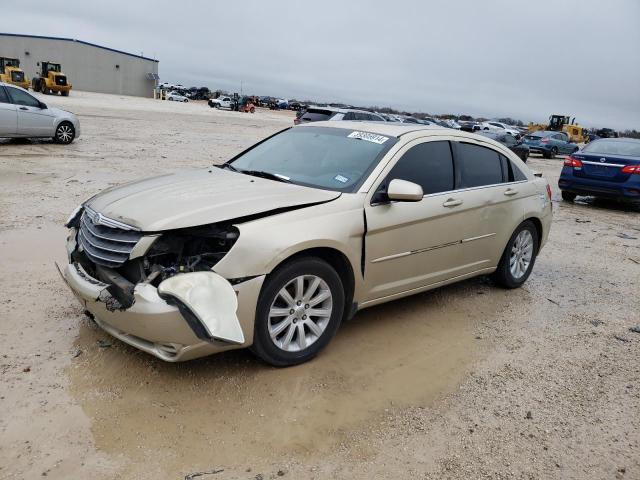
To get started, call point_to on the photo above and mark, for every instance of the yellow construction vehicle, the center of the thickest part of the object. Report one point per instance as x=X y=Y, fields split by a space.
x=10 y=72
x=562 y=123
x=51 y=80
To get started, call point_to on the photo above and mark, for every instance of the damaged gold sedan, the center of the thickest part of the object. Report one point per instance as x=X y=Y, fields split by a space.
x=275 y=248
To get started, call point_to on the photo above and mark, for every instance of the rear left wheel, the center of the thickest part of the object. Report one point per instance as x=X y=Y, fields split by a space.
x=299 y=310
x=518 y=257
x=568 y=196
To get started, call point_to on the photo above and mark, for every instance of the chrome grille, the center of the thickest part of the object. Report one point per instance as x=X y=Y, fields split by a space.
x=105 y=245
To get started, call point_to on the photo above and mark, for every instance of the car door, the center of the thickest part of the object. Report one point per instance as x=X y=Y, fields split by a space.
x=8 y=115
x=490 y=188
x=33 y=120
x=413 y=245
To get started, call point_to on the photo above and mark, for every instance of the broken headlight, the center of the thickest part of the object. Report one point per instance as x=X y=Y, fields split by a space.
x=74 y=218
x=188 y=250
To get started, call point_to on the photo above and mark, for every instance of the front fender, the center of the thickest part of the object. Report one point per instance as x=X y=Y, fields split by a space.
x=265 y=243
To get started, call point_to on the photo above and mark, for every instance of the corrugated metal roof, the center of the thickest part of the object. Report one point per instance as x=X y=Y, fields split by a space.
x=79 y=41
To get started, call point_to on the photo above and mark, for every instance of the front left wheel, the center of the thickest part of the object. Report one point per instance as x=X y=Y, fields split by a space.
x=65 y=133
x=299 y=311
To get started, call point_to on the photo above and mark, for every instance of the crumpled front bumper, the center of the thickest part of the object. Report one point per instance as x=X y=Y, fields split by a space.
x=194 y=317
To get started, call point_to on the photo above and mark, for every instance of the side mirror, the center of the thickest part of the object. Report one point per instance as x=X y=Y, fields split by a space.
x=43 y=106
x=404 y=191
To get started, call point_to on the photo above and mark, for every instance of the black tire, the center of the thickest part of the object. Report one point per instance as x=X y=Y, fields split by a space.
x=64 y=93
x=503 y=275
x=263 y=346
x=568 y=196
x=65 y=133
x=554 y=152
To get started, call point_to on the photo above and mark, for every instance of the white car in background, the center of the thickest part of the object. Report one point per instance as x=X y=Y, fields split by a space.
x=223 y=101
x=176 y=97
x=24 y=116
x=499 y=127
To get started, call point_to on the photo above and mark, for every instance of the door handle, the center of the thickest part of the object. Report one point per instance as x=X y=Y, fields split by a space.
x=24 y=108
x=452 y=202
x=510 y=191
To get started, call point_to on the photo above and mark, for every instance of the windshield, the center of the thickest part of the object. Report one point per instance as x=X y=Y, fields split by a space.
x=613 y=147
x=328 y=158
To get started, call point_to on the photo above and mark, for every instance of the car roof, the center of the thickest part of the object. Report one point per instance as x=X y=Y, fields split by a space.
x=5 y=84
x=338 y=110
x=392 y=129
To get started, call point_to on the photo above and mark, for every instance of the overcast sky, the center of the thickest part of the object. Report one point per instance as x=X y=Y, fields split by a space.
x=525 y=59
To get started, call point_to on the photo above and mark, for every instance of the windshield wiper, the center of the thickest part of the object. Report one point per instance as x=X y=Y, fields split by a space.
x=229 y=166
x=269 y=175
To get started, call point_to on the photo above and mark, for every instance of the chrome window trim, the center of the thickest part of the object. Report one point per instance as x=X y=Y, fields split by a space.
x=376 y=176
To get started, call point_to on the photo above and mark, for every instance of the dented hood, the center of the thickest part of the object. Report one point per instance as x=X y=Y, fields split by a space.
x=199 y=197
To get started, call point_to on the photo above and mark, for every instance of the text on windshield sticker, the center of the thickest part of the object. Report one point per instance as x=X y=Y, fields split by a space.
x=369 y=137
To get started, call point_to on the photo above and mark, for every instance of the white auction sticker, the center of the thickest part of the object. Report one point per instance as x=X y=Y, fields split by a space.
x=369 y=137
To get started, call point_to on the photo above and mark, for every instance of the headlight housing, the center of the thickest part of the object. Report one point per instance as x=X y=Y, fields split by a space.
x=189 y=250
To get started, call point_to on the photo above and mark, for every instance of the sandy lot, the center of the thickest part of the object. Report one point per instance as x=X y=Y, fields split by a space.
x=465 y=382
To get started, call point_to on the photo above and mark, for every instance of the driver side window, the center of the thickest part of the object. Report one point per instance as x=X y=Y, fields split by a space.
x=429 y=164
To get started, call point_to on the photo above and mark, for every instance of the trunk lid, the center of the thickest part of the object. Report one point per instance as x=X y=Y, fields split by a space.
x=604 y=167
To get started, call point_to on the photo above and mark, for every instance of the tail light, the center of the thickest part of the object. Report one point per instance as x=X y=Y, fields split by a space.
x=549 y=191
x=545 y=140
x=634 y=169
x=572 y=162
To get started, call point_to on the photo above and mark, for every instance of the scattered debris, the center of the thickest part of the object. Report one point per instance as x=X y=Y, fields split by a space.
x=259 y=477
x=200 y=474
x=626 y=237
x=634 y=260
x=528 y=416
x=621 y=338
x=579 y=220
x=26 y=369
x=635 y=329
x=104 y=343
x=595 y=322
x=281 y=473
x=77 y=353
x=553 y=301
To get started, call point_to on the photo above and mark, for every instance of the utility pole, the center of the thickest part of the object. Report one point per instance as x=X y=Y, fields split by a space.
x=240 y=87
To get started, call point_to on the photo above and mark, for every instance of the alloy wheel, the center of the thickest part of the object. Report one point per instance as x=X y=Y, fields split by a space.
x=521 y=254
x=300 y=313
x=65 y=133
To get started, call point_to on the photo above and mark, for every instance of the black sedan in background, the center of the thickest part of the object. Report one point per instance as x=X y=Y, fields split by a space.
x=510 y=141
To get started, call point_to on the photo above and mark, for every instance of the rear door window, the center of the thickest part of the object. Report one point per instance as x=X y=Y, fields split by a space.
x=428 y=164
x=4 y=98
x=317 y=115
x=477 y=166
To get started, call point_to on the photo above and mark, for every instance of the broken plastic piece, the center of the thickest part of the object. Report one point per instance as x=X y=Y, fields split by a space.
x=211 y=299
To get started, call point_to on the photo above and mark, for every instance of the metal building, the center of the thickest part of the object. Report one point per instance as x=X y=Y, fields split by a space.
x=89 y=67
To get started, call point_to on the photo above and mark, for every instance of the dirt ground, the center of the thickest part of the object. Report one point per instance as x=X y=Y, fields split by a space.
x=465 y=382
